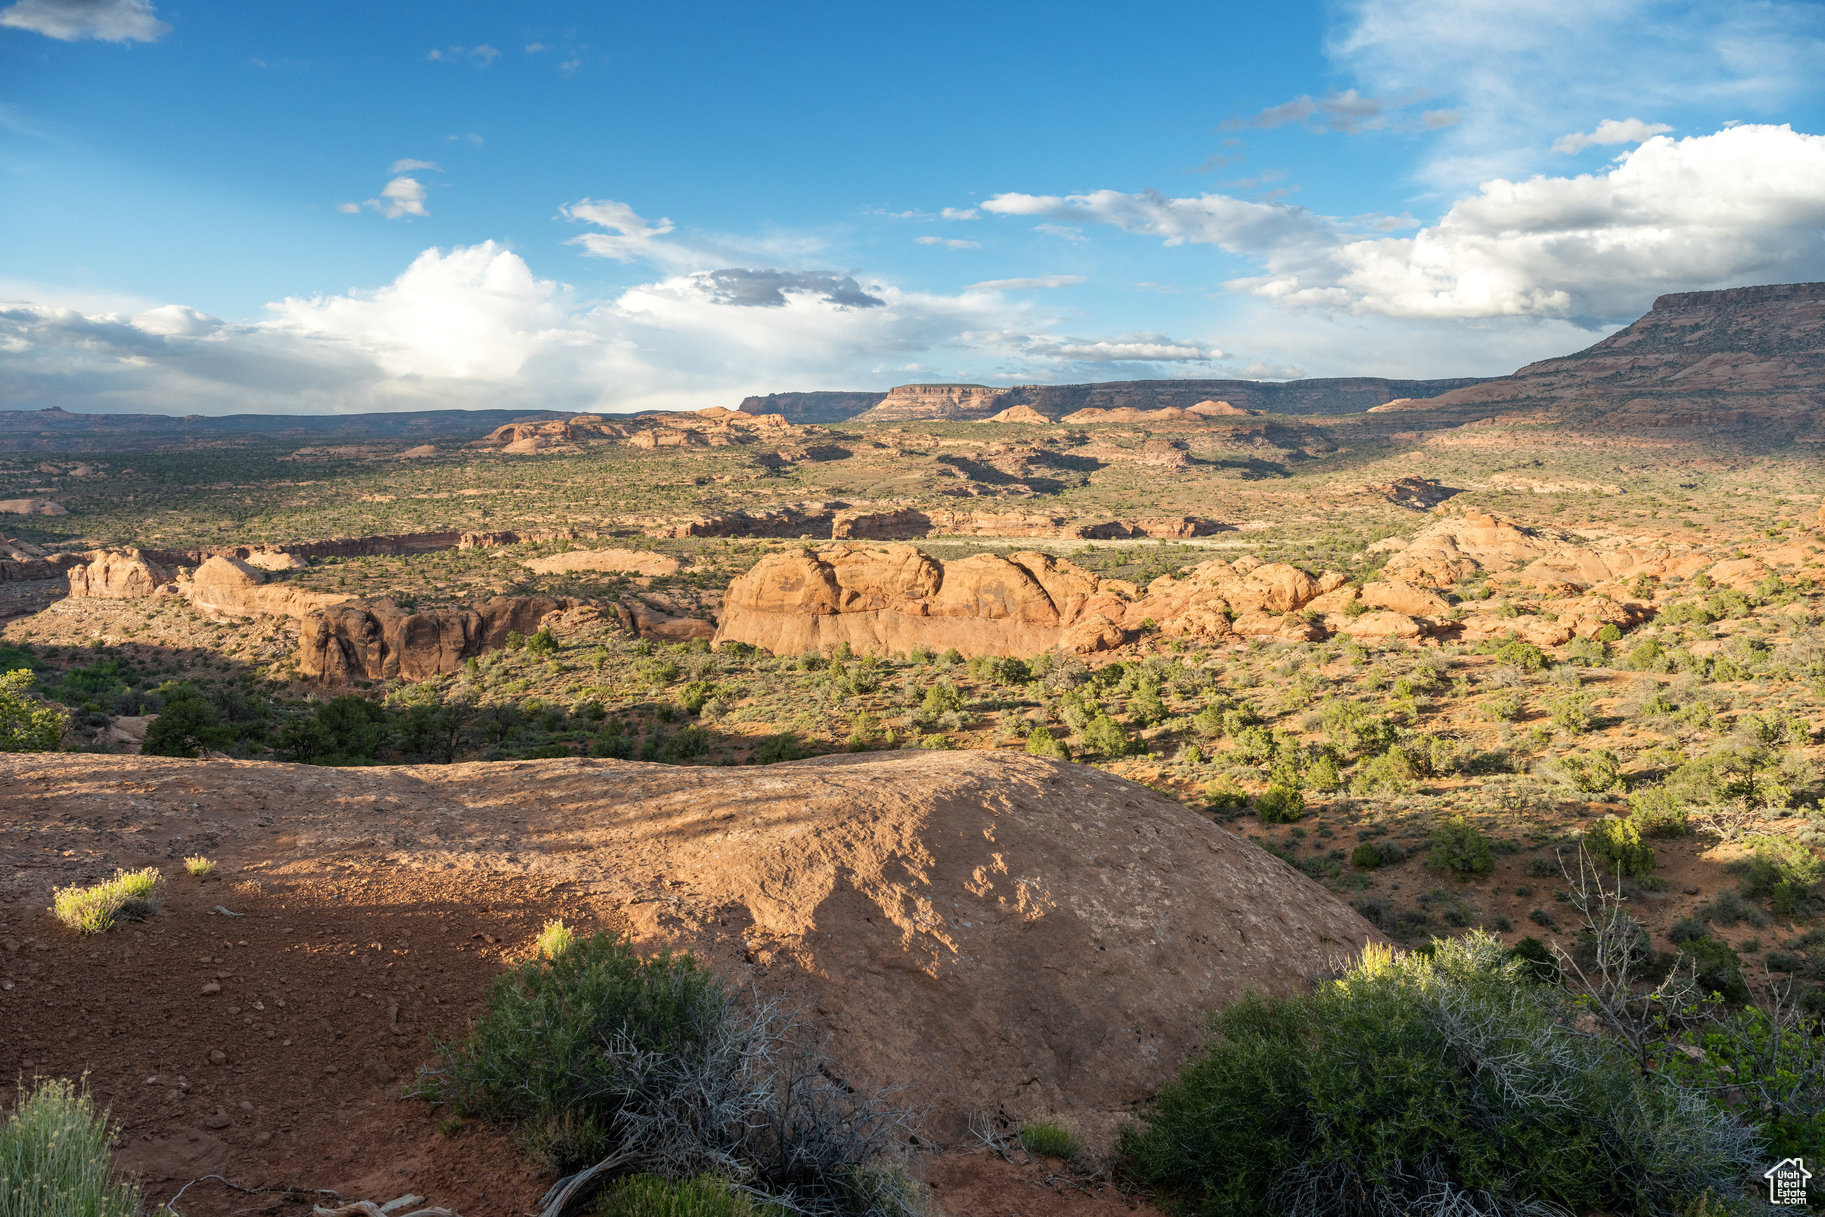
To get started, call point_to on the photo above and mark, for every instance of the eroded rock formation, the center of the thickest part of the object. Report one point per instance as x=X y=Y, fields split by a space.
x=377 y=640
x=118 y=575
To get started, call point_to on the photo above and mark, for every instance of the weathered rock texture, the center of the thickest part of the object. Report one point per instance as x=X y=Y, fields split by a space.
x=377 y=640
x=118 y=575
x=997 y=931
x=615 y=561
x=229 y=587
x=896 y=598
x=1747 y=358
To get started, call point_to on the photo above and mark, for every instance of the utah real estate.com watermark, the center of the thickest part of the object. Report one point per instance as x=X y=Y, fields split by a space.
x=1787 y=1181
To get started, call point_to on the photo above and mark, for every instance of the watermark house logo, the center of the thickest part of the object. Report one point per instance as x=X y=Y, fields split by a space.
x=1787 y=1181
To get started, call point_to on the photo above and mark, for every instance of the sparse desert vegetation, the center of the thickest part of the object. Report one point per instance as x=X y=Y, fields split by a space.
x=1532 y=716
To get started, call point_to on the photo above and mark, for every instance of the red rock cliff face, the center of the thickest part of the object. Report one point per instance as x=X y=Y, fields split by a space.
x=380 y=641
x=1750 y=358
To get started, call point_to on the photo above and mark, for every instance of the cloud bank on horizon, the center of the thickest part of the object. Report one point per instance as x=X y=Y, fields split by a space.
x=1278 y=272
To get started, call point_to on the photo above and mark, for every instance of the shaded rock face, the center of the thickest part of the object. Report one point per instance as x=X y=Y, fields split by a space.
x=907 y=523
x=812 y=407
x=1748 y=358
x=377 y=640
x=118 y=575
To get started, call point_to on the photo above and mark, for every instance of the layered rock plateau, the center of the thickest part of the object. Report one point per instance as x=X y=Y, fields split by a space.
x=1748 y=357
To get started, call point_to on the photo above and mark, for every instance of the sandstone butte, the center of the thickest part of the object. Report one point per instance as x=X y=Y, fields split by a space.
x=996 y=932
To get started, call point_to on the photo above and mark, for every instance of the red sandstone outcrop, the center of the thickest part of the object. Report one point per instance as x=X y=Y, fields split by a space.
x=230 y=587
x=896 y=598
x=377 y=640
x=117 y=575
x=552 y=433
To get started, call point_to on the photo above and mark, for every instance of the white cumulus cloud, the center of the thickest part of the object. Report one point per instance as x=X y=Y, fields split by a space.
x=1742 y=205
x=71 y=20
x=1609 y=131
x=403 y=196
x=476 y=327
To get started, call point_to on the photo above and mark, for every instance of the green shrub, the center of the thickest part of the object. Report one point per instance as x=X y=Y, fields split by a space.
x=132 y=895
x=1536 y=959
x=1105 y=736
x=27 y=724
x=1379 y=1093
x=198 y=866
x=1323 y=775
x=1279 y=804
x=555 y=938
x=1780 y=868
x=1523 y=655
x=1657 y=814
x=1716 y=967
x=597 y=1050
x=56 y=1157
x=694 y=694
x=773 y=749
x=1222 y=795
x=1460 y=850
x=1617 y=844
x=703 y=1196
x=1041 y=742
x=1051 y=1139
x=186 y=724
x=1208 y=722
x=544 y=642
x=1571 y=712
x=347 y=730
x=1592 y=772
x=1146 y=707
x=1367 y=856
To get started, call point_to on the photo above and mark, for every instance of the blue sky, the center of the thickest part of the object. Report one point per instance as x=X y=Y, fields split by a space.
x=215 y=207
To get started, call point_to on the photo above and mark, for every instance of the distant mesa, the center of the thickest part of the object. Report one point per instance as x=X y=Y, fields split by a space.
x=1747 y=358
x=821 y=407
x=924 y=403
